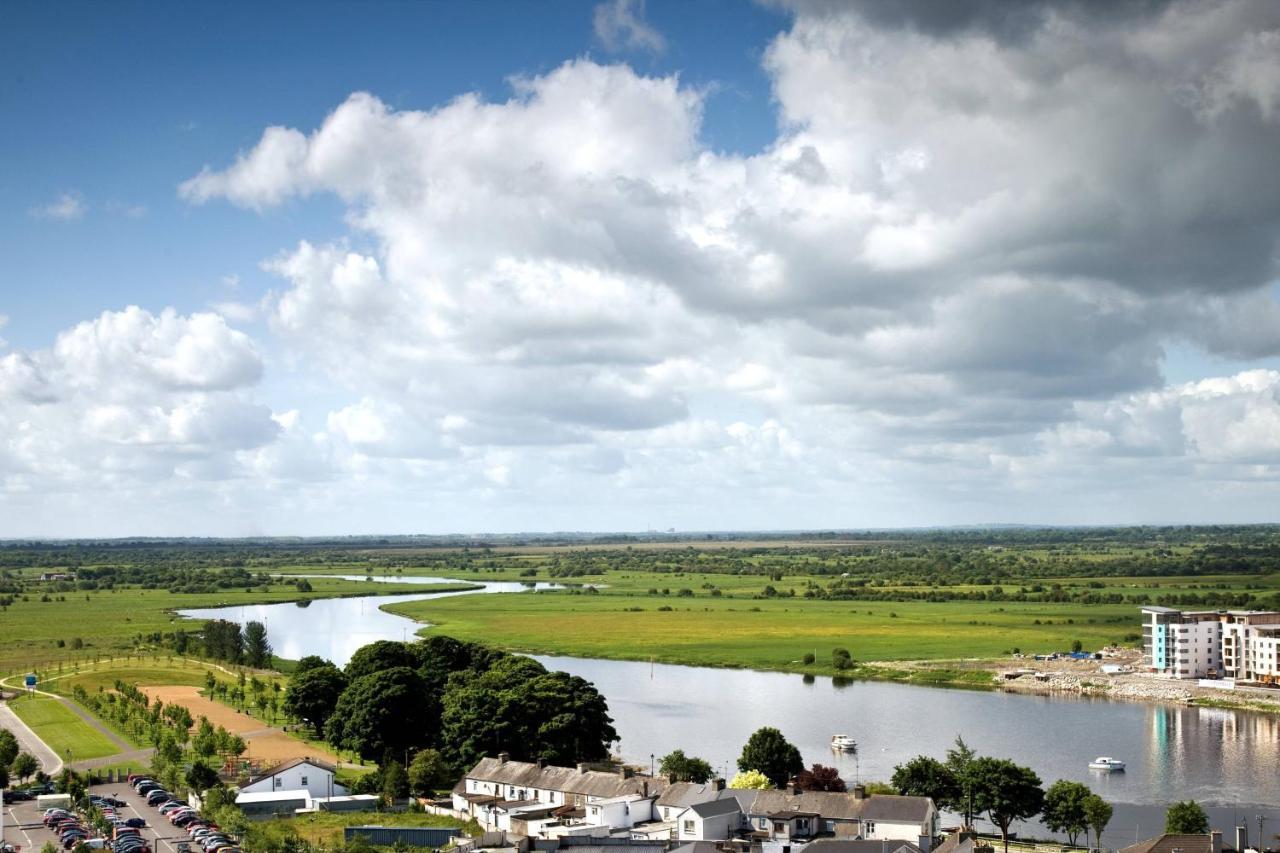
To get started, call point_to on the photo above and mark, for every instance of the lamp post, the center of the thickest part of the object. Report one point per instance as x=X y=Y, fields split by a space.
x=651 y=764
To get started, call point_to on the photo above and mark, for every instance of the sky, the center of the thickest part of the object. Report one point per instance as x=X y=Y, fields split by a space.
x=429 y=267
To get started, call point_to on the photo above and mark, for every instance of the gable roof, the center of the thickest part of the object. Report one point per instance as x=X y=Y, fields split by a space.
x=290 y=764
x=895 y=808
x=715 y=808
x=685 y=794
x=1167 y=843
x=846 y=845
x=591 y=783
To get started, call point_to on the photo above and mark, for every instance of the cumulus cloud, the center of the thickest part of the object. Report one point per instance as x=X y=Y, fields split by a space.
x=67 y=207
x=977 y=232
x=620 y=25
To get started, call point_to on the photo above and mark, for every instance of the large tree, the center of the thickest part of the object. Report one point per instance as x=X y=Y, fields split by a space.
x=380 y=655
x=516 y=706
x=923 y=776
x=428 y=772
x=1097 y=812
x=24 y=766
x=313 y=695
x=1186 y=818
x=960 y=758
x=257 y=648
x=1064 y=809
x=772 y=754
x=684 y=768
x=8 y=747
x=1005 y=791
x=750 y=779
x=819 y=777
x=379 y=714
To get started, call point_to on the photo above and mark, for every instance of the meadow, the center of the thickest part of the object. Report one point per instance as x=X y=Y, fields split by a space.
x=60 y=728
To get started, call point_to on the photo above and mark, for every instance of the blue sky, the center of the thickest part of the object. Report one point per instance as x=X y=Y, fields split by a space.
x=608 y=265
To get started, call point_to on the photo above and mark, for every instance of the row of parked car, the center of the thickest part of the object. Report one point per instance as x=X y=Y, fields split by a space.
x=204 y=834
x=67 y=826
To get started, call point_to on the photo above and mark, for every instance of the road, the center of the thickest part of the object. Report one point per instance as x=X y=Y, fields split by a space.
x=49 y=761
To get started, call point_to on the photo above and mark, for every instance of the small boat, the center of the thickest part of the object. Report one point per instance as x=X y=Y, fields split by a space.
x=843 y=743
x=1103 y=762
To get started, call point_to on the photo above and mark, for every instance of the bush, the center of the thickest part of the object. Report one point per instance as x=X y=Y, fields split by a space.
x=809 y=658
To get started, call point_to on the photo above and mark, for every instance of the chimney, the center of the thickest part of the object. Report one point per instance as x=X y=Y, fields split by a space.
x=503 y=757
x=1242 y=838
x=582 y=767
x=541 y=763
x=717 y=784
x=644 y=788
x=625 y=772
x=1215 y=839
x=925 y=843
x=791 y=788
x=859 y=792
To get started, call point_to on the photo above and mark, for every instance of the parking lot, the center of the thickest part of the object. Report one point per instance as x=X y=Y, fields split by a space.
x=25 y=831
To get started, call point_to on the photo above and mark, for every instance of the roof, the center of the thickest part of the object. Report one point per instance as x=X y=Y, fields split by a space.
x=591 y=783
x=895 y=808
x=294 y=762
x=844 y=845
x=828 y=804
x=697 y=847
x=959 y=842
x=685 y=794
x=715 y=808
x=788 y=815
x=1167 y=843
x=273 y=796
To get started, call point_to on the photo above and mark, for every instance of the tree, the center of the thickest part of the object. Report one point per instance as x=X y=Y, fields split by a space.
x=1186 y=818
x=959 y=761
x=379 y=656
x=310 y=662
x=201 y=777
x=24 y=765
x=923 y=776
x=313 y=694
x=1005 y=791
x=4 y=776
x=395 y=782
x=770 y=753
x=428 y=772
x=819 y=777
x=8 y=747
x=379 y=712
x=750 y=779
x=1097 y=812
x=684 y=768
x=1064 y=810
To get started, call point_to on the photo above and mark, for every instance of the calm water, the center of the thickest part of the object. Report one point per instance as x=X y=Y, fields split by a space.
x=1227 y=758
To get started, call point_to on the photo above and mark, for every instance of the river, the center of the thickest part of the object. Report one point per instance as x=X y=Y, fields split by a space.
x=1229 y=759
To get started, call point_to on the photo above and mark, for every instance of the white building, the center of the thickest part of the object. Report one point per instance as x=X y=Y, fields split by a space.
x=300 y=774
x=717 y=820
x=1236 y=644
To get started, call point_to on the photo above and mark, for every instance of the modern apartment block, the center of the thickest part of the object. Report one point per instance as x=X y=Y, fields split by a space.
x=1242 y=645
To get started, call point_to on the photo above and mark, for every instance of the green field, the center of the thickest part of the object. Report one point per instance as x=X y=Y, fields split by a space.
x=60 y=728
x=108 y=623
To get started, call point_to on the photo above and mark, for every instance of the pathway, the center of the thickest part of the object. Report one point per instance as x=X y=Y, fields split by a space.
x=50 y=763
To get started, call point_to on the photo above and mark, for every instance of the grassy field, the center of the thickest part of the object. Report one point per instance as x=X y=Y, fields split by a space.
x=326 y=828
x=59 y=727
x=108 y=623
x=737 y=628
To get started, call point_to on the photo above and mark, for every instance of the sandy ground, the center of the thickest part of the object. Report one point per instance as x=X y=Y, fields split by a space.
x=267 y=744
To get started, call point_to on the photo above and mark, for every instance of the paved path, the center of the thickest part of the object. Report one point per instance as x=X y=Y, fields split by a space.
x=49 y=761
x=141 y=757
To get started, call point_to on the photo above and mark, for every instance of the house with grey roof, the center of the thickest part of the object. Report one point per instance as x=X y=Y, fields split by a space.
x=714 y=820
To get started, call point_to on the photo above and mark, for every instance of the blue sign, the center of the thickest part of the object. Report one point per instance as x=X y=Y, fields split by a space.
x=31 y=681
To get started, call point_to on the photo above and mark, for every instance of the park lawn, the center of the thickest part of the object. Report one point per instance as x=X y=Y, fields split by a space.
x=60 y=728
x=326 y=827
x=109 y=623
x=770 y=634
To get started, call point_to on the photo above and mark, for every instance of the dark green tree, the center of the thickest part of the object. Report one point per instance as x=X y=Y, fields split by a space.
x=1005 y=791
x=200 y=777
x=1064 y=809
x=24 y=766
x=395 y=781
x=379 y=656
x=379 y=713
x=313 y=695
x=428 y=772
x=1097 y=812
x=684 y=768
x=257 y=648
x=960 y=757
x=923 y=776
x=310 y=662
x=770 y=753
x=1186 y=818
x=8 y=747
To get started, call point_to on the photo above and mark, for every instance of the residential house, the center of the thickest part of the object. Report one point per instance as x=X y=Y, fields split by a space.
x=715 y=820
x=680 y=795
x=300 y=774
x=1170 y=843
x=860 y=845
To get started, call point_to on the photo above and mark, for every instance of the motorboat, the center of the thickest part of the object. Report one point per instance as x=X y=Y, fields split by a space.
x=843 y=743
x=1103 y=762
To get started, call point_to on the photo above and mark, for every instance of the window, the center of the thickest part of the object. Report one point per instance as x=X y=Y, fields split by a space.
x=688 y=827
x=278 y=781
x=869 y=827
x=304 y=781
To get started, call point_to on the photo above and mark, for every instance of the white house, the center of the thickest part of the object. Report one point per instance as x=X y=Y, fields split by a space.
x=717 y=820
x=300 y=774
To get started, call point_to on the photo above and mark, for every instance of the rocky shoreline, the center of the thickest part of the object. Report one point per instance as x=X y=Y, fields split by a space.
x=1139 y=687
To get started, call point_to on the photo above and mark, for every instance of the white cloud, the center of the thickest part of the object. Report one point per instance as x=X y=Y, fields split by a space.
x=67 y=207
x=620 y=25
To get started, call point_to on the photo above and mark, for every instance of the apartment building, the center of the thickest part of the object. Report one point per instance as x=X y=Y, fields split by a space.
x=1242 y=645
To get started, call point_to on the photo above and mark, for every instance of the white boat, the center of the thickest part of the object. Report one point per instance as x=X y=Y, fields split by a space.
x=1103 y=762
x=843 y=743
